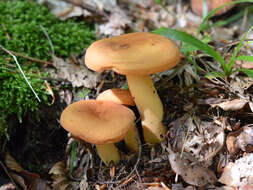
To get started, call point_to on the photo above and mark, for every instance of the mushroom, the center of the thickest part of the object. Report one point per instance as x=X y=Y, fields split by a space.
x=122 y=96
x=101 y=123
x=117 y=95
x=197 y=6
x=137 y=55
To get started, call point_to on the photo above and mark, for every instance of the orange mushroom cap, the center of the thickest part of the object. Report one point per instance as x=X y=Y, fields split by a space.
x=139 y=53
x=97 y=122
x=117 y=95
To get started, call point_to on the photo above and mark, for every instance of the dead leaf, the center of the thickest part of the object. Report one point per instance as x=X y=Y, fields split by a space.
x=232 y=105
x=8 y=186
x=12 y=164
x=118 y=22
x=19 y=180
x=78 y=75
x=49 y=89
x=192 y=174
x=38 y=184
x=201 y=139
x=59 y=176
x=239 y=173
x=240 y=140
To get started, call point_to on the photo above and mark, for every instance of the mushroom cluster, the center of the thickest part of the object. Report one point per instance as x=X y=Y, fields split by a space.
x=107 y=119
x=138 y=55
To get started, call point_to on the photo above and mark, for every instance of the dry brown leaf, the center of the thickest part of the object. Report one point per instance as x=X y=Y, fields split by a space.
x=192 y=174
x=232 y=105
x=60 y=179
x=247 y=65
x=201 y=139
x=19 y=180
x=51 y=92
x=239 y=173
x=38 y=184
x=12 y=164
x=116 y=25
x=58 y=168
x=240 y=140
x=8 y=186
x=78 y=75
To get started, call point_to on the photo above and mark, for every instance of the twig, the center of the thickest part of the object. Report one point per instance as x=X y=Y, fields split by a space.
x=30 y=58
x=88 y=8
x=237 y=42
x=20 y=69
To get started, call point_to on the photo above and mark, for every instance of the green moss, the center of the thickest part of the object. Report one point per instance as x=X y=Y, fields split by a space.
x=20 y=31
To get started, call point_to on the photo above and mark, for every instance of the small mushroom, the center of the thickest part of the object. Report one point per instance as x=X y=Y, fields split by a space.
x=137 y=55
x=197 y=6
x=101 y=123
x=122 y=96
x=117 y=95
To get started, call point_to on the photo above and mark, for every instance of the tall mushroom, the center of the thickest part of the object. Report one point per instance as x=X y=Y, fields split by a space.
x=122 y=96
x=137 y=55
x=101 y=123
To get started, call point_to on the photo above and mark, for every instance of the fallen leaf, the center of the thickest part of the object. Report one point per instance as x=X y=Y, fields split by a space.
x=60 y=179
x=239 y=173
x=49 y=89
x=240 y=140
x=78 y=75
x=191 y=174
x=118 y=22
x=232 y=105
x=201 y=139
x=12 y=164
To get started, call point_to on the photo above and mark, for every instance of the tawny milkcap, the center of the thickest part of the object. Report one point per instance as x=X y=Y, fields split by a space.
x=117 y=95
x=101 y=123
x=124 y=97
x=137 y=55
x=197 y=6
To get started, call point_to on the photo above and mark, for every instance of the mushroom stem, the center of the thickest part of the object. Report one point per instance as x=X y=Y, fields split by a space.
x=149 y=105
x=131 y=140
x=108 y=153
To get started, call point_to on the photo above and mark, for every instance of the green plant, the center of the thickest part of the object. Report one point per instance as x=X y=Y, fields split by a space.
x=15 y=95
x=21 y=31
x=191 y=44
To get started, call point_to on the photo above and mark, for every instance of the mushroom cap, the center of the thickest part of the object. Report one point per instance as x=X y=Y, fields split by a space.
x=139 y=53
x=97 y=122
x=117 y=95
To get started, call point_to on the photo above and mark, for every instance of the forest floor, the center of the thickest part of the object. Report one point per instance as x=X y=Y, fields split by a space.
x=208 y=110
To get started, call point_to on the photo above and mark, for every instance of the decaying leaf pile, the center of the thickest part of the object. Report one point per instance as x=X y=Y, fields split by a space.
x=209 y=142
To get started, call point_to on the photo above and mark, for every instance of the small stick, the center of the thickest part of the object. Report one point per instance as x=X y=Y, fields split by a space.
x=20 y=69
x=30 y=58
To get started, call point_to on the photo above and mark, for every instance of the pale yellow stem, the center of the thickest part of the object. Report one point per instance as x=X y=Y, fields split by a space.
x=131 y=140
x=108 y=153
x=149 y=105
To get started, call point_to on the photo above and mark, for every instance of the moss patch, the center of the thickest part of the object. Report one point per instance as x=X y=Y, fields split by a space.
x=20 y=31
